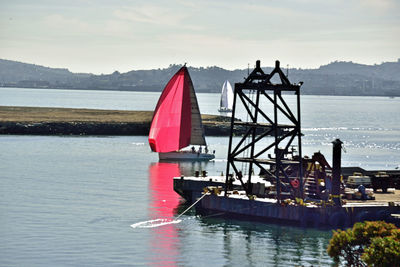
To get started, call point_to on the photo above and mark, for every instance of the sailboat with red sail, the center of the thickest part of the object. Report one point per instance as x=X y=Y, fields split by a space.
x=176 y=122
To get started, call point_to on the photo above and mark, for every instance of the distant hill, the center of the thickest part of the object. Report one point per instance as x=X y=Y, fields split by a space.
x=336 y=78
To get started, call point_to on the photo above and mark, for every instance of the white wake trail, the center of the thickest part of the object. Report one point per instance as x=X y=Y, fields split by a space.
x=161 y=222
x=154 y=223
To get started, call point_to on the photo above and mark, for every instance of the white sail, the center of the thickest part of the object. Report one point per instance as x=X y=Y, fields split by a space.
x=226 y=103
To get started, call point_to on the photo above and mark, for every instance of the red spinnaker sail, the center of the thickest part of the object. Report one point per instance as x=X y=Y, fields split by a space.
x=171 y=125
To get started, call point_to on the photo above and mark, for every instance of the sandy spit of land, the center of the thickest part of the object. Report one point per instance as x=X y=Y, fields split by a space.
x=59 y=121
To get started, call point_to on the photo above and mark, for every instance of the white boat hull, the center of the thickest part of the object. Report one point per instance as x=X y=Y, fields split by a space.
x=185 y=155
x=225 y=110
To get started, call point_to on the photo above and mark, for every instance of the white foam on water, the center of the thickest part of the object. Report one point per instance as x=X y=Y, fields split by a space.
x=138 y=144
x=161 y=222
x=154 y=223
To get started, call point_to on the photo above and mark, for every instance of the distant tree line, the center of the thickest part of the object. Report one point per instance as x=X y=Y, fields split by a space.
x=336 y=78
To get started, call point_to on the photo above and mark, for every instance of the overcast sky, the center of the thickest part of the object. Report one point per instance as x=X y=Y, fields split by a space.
x=101 y=36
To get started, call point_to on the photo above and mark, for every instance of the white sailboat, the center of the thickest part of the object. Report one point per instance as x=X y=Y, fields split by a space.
x=177 y=122
x=226 y=102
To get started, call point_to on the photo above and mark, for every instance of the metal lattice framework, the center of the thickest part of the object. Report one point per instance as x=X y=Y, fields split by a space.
x=252 y=149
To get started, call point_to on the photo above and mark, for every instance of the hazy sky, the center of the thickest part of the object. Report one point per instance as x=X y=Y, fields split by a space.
x=101 y=36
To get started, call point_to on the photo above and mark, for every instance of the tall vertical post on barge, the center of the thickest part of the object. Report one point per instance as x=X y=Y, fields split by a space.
x=268 y=113
x=336 y=171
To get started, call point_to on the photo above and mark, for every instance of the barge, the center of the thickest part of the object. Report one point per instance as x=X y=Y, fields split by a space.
x=306 y=214
x=290 y=188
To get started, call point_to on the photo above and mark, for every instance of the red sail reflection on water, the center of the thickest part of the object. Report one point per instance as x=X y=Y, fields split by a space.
x=163 y=203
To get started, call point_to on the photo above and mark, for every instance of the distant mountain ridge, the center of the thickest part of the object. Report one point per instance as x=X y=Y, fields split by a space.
x=336 y=78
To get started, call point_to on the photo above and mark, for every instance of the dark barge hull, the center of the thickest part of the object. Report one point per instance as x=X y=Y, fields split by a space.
x=330 y=217
x=191 y=190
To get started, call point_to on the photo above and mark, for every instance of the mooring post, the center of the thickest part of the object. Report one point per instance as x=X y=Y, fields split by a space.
x=336 y=171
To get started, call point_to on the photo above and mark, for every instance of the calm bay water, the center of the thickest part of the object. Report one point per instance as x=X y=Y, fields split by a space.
x=70 y=201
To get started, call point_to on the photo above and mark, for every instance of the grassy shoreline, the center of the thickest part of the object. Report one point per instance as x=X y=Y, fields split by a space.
x=76 y=121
